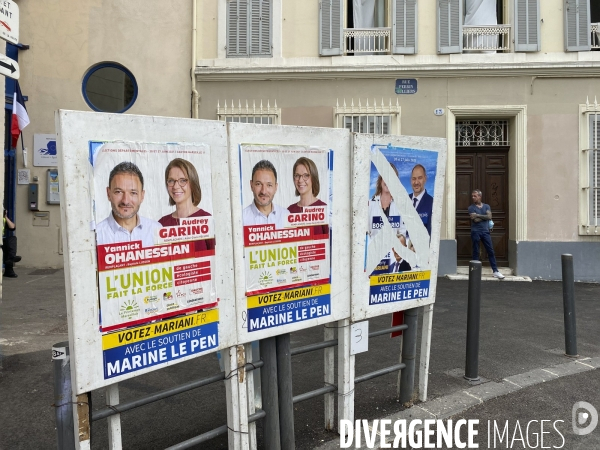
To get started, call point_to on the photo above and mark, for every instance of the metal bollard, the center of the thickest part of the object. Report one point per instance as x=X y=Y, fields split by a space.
x=473 y=316
x=409 y=353
x=286 y=396
x=568 y=283
x=269 y=391
x=65 y=431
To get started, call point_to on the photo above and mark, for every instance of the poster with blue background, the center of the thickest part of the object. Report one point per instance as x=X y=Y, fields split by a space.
x=416 y=170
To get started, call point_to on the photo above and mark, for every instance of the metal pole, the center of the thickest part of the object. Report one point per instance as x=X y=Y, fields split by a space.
x=286 y=396
x=269 y=391
x=63 y=406
x=568 y=283
x=409 y=353
x=473 y=310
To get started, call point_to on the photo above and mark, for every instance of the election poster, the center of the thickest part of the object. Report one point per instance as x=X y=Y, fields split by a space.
x=399 y=275
x=286 y=213
x=155 y=245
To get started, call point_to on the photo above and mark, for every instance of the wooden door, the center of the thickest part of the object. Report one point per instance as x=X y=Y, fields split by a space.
x=485 y=169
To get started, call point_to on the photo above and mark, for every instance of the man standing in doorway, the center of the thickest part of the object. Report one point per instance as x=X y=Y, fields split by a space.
x=481 y=214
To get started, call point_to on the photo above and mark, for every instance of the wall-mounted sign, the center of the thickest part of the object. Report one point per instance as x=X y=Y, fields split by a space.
x=44 y=150
x=406 y=86
x=23 y=176
x=9 y=21
x=9 y=67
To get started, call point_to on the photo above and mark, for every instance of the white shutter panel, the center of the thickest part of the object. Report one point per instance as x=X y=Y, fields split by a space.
x=527 y=26
x=577 y=25
x=450 y=18
x=404 y=30
x=330 y=27
x=237 y=28
x=260 y=28
x=594 y=166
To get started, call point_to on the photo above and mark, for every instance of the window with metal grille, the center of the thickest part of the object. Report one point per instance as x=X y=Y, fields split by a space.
x=269 y=115
x=375 y=119
x=594 y=169
x=482 y=133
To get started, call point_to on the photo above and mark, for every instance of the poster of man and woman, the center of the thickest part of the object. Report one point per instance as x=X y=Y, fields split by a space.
x=154 y=231
x=286 y=199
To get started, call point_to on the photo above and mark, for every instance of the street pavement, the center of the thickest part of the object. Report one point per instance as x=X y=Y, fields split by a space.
x=525 y=377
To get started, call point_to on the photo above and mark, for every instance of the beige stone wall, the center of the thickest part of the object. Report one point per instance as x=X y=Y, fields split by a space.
x=300 y=29
x=151 y=38
x=552 y=127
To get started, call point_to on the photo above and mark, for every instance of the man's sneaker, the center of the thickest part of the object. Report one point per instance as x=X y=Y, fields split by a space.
x=498 y=275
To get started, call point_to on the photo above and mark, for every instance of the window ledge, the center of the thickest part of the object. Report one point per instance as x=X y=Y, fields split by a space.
x=386 y=66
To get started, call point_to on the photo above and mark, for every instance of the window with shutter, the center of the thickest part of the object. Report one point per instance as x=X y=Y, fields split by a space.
x=450 y=17
x=249 y=25
x=330 y=27
x=577 y=25
x=404 y=30
x=527 y=26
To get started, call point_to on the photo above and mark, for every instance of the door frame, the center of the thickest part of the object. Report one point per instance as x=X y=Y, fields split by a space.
x=517 y=159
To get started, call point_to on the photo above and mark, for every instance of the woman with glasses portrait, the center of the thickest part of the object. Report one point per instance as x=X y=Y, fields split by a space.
x=306 y=182
x=183 y=186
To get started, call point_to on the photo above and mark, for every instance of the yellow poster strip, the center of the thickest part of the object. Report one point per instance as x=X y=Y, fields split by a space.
x=403 y=277
x=288 y=296
x=160 y=328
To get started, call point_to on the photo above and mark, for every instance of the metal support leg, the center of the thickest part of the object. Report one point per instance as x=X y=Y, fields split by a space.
x=568 y=283
x=270 y=395
x=65 y=431
x=345 y=373
x=114 y=422
x=409 y=354
x=286 y=396
x=425 y=351
x=329 y=377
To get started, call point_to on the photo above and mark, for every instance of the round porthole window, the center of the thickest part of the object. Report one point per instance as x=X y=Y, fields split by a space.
x=109 y=87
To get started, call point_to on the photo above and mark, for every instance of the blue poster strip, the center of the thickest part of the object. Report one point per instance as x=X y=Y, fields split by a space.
x=288 y=312
x=397 y=292
x=160 y=349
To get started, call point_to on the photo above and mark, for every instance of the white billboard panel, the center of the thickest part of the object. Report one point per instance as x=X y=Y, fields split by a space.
x=397 y=200
x=148 y=272
x=291 y=227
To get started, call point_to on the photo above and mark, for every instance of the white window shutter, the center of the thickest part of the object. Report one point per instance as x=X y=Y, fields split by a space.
x=450 y=18
x=404 y=30
x=330 y=27
x=594 y=166
x=237 y=28
x=527 y=26
x=577 y=25
x=260 y=28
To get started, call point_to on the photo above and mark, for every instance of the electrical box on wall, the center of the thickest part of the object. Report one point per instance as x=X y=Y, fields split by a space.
x=32 y=196
x=52 y=193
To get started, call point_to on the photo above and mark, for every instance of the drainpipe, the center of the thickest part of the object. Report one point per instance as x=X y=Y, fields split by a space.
x=195 y=95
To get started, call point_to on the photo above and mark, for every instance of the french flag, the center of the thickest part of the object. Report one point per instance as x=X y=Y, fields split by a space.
x=20 y=118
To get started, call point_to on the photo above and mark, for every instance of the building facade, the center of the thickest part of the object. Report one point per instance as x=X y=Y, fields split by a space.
x=511 y=84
